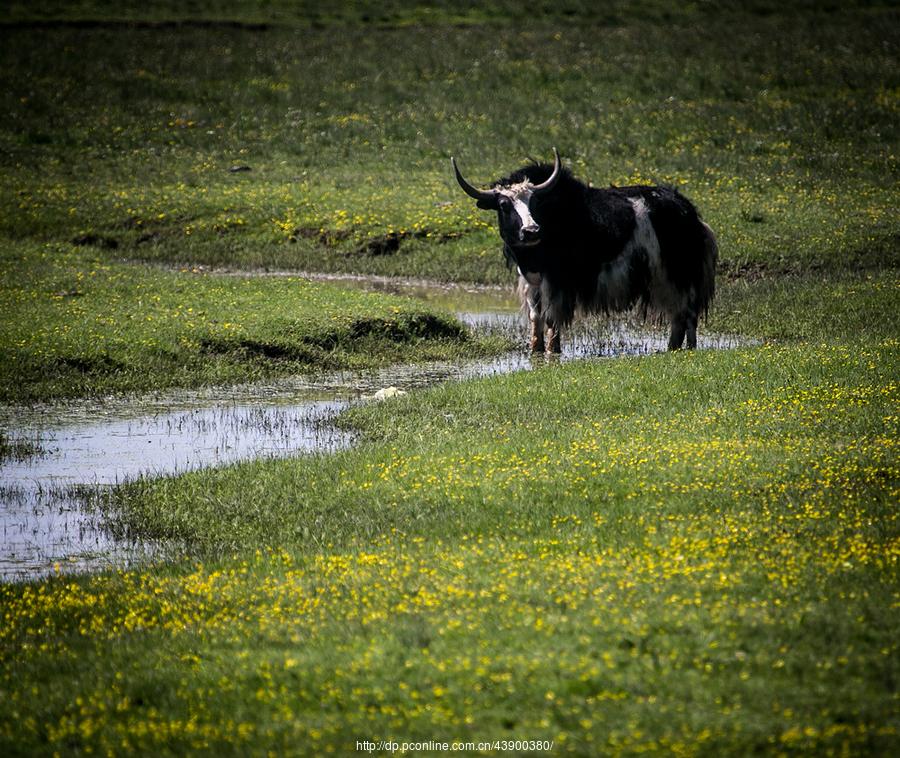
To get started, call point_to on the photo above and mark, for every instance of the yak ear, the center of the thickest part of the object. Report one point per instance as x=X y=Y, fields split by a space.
x=488 y=205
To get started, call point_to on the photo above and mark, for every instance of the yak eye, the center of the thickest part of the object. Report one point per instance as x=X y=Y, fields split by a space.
x=505 y=203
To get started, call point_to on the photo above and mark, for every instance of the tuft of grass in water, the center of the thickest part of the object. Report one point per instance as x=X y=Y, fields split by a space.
x=16 y=448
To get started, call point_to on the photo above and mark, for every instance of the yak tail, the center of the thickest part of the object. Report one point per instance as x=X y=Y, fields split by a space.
x=710 y=257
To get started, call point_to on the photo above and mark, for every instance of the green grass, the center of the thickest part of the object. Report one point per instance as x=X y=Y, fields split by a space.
x=693 y=553
x=208 y=510
x=783 y=134
x=387 y=13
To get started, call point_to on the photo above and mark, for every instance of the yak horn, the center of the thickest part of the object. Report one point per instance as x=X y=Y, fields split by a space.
x=547 y=185
x=486 y=195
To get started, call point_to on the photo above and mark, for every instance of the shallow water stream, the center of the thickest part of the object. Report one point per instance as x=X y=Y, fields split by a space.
x=43 y=524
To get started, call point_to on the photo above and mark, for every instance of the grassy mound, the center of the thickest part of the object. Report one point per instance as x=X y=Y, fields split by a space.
x=76 y=324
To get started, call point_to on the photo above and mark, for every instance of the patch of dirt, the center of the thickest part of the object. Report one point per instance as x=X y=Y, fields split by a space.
x=383 y=244
x=100 y=364
x=96 y=240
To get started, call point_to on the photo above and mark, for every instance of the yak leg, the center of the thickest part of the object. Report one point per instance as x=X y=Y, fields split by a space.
x=676 y=336
x=553 y=338
x=533 y=301
x=692 y=331
x=684 y=323
x=537 y=336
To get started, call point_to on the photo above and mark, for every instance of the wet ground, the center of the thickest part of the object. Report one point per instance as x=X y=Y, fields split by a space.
x=44 y=526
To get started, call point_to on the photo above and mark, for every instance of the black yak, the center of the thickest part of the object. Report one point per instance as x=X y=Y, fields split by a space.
x=582 y=247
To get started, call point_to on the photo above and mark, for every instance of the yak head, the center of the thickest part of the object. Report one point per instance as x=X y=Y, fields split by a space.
x=513 y=202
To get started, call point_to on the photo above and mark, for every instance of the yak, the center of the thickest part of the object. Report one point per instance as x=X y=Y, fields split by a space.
x=591 y=249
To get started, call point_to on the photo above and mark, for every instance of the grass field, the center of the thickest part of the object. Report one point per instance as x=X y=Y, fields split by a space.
x=690 y=554
x=714 y=574
x=126 y=135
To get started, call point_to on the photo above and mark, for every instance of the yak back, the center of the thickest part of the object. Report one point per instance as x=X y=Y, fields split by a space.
x=678 y=228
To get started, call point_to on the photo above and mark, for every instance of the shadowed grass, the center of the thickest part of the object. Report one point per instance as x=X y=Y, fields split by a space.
x=17 y=449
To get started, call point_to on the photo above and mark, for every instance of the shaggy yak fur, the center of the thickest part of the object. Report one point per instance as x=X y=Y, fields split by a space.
x=578 y=247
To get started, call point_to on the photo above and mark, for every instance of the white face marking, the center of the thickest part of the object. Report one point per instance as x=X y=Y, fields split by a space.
x=520 y=194
x=521 y=206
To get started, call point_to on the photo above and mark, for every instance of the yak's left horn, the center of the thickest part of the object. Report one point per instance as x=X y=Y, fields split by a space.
x=557 y=170
x=473 y=192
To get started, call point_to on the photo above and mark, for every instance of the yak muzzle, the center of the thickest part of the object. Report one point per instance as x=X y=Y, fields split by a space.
x=529 y=235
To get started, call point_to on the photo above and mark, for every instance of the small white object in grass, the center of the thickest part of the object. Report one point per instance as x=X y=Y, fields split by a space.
x=384 y=394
